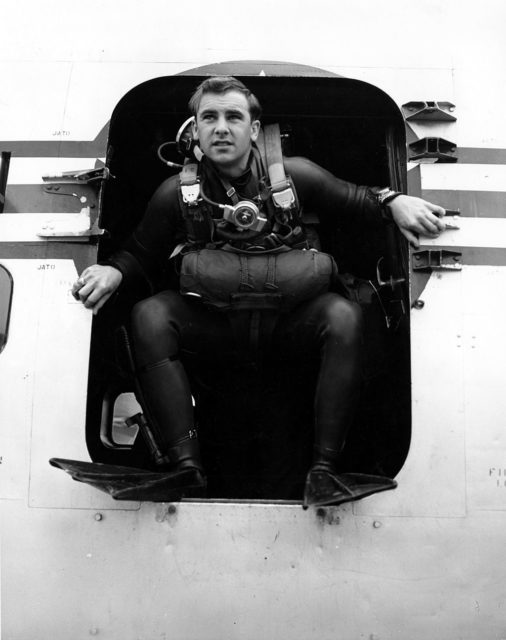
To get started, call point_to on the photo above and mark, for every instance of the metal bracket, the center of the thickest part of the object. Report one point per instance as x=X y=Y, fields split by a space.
x=86 y=176
x=430 y=110
x=436 y=260
x=76 y=226
x=432 y=150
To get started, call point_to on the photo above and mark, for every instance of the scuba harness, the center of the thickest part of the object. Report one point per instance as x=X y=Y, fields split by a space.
x=268 y=222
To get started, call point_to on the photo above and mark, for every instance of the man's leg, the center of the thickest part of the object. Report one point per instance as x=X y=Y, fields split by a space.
x=329 y=327
x=161 y=328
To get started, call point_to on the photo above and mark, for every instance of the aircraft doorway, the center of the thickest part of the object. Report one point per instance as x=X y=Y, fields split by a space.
x=248 y=418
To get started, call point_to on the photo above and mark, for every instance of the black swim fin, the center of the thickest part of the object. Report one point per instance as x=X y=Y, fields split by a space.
x=130 y=483
x=326 y=488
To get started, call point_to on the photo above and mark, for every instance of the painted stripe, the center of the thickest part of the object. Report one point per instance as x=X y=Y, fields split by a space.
x=477 y=204
x=32 y=197
x=53 y=149
x=83 y=254
x=487 y=233
x=58 y=148
x=473 y=256
x=467 y=155
x=30 y=170
x=477 y=155
x=463 y=177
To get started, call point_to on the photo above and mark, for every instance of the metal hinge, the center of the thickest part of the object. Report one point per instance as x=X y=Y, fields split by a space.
x=432 y=150
x=437 y=259
x=433 y=111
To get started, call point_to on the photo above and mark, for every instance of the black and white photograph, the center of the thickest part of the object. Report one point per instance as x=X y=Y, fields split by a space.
x=252 y=306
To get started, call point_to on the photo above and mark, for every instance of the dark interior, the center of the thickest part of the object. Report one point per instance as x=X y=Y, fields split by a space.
x=248 y=417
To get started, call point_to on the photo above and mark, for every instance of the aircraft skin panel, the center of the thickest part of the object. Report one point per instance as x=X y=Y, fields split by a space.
x=214 y=571
x=484 y=341
x=26 y=227
x=432 y=480
x=17 y=366
x=486 y=204
x=472 y=232
x=49 y=332
x=464 y=177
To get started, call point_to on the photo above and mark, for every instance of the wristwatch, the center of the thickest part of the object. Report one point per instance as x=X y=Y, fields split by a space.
x=386 y=195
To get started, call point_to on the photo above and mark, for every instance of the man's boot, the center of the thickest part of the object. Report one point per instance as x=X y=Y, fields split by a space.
x=182 y=466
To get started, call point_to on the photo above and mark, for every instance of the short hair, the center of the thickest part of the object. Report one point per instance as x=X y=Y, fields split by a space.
x=221 y=85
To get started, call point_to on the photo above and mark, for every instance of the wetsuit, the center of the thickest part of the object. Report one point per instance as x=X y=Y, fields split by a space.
x=167 y=325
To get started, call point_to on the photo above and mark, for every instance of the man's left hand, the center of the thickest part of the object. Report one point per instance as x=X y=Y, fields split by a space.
x=416 y=217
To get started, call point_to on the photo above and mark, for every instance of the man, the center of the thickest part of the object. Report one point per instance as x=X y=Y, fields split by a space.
x=226 y=126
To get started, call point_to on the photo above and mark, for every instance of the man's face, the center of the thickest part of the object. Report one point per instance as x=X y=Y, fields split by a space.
x=225 y=131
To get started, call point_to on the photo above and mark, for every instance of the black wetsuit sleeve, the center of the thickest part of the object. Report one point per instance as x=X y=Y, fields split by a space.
x=145 y=254
x=335 y=201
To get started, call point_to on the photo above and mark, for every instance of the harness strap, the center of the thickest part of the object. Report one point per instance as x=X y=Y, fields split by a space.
x=245 y=284
x=270 y=280
x=189 y=173
x=274 y=157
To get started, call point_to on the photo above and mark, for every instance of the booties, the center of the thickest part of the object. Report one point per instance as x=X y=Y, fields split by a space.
x=182 y=468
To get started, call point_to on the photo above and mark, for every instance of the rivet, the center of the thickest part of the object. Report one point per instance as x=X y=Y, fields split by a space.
x=376 y=524
x=419 y=304
x=94 y=631
x=172 y=509
x=98 y=517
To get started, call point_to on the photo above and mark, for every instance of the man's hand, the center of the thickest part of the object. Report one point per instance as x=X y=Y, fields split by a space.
x=96 y=285
x=415 y=217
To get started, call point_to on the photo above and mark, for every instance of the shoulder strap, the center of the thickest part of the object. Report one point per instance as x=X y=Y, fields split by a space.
x=197 y=218
x=282 y=190
x=189 y=183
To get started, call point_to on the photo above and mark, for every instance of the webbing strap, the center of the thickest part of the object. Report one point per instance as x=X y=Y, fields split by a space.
x=274 y=156
x=189 y=173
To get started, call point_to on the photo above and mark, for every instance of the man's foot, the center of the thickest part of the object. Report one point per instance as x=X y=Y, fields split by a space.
x=324 y=487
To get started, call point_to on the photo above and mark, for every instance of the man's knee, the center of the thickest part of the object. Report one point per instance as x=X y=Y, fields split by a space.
x=152 y=320
x=342 y=319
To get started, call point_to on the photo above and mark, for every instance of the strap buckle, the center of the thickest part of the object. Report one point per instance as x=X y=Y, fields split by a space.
x=284 y=199
x=190 y=193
